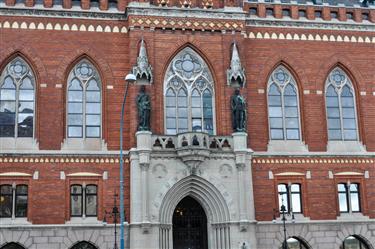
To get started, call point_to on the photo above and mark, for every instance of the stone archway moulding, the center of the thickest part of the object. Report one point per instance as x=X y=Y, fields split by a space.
x=200 y=189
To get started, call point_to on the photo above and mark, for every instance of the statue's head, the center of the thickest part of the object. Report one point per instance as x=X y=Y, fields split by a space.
x=237 y=91
x=143 y=89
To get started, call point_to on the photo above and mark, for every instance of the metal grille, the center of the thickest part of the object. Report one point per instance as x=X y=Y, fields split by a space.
x=189 y=225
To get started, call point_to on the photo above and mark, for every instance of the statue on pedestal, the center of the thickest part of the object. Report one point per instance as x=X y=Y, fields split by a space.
x=238 y=105
x=144 y=110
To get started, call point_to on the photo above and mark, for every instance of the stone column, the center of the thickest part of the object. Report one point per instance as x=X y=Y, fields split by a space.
x=144 y=152
x=244 y=179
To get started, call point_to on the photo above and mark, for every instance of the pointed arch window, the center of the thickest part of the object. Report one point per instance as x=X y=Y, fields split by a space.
x=17 y=100
x=283 y=109
x=189 y=94
x=340 y=107
x=84 y=101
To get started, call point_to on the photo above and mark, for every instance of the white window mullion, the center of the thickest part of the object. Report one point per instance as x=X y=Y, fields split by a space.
x=340 y=113
x=13 y=201
x=190 y=115
x=16 y=109
x=283 y=112
x=84 y=85
x=176 y=110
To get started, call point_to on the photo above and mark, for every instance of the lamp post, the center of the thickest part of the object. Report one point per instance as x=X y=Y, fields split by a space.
x=283 y=210
x=113 y=214
x=284 y=214
x=130 y=78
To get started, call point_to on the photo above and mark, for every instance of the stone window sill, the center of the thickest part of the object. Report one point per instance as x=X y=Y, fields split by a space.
x=297 y=218
x=287 y=146
x=345 y=146
x=84 y=144
x=20 y=143
x=352 y=217
x=16 y=221
x=82 y=220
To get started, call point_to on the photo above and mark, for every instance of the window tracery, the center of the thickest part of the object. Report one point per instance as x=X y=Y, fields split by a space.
x=188 y=94
x=283 y=108
x=17 y=100
x=340 y=107
x=84 y=101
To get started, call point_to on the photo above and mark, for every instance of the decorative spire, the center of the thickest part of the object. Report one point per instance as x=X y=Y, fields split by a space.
x=143 y=70
x=236 y=73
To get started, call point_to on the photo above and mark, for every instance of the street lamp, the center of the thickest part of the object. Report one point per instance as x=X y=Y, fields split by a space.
x=284 y=214
x=113 y=214
x=130 y=78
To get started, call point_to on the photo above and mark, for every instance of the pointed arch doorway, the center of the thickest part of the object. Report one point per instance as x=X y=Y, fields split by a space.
x=189 y=225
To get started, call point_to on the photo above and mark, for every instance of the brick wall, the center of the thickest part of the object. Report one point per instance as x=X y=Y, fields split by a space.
x=49 y=194
x=319 y=193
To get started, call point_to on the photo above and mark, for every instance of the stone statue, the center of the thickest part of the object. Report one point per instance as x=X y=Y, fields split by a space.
x=144 y=110
x=238 y=105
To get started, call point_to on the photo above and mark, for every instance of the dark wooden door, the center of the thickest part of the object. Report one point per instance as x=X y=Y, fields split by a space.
x=189 y=225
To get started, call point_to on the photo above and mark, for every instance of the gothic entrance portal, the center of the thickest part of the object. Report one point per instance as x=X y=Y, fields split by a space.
x=189 y=225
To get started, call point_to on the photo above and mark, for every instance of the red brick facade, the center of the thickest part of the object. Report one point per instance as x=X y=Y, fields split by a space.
x=52 y=53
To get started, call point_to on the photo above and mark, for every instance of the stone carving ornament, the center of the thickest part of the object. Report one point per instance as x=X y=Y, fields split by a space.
x=236 y=73
x=143 y=69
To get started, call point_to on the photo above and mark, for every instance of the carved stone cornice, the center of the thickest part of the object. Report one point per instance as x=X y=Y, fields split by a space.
x=62 y=13
x=309 y=24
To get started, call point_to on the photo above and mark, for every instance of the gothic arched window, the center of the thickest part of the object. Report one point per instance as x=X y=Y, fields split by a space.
x=83 y=245
x=189 y=94
x=84 y=101
x=354 y=242
x=17 y=100
x=340 y=106
x=283 y=109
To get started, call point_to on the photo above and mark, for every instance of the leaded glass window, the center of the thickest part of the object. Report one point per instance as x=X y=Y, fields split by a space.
x=353 y=242
x=84 y=101
x=295 y=243
x=283 y=109
x=6 y=201
x=12 y=245
x=83 y=245
x=83 y=200
x=17 y=100
x=91 y=200
x=349 y=197
x=290 y=196
x=189 y=94
x=340 y=107
x=13 y=201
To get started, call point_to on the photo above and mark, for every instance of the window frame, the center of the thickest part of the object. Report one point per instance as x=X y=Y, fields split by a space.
x=33 y=78
x=14 y=182
x=206 y=74
x=87 y=181
x=289 y=193
x=17 y=195
x=348 y=196
x=294 y=83
x=350 y=84
x=84 y=84
x=362 y=244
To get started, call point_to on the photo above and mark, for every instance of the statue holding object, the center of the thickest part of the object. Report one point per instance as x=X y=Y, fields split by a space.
x=144 y=110
x=239 y=114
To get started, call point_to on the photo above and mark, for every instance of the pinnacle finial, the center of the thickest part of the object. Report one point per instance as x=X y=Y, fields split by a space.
x=236 y=73
x=143 y=70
